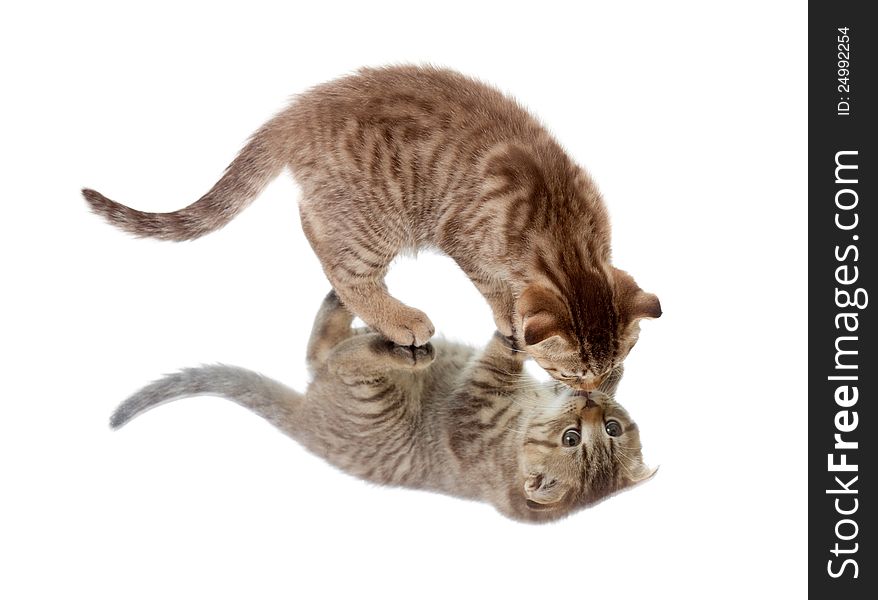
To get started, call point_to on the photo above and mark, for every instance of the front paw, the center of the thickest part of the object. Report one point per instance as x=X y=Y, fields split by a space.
x=410 y=328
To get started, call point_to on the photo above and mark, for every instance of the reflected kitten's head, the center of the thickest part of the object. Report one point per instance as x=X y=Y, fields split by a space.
x=580 y=337
x=578 y=452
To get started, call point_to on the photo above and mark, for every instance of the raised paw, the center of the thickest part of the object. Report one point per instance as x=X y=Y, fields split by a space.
x=411 y=327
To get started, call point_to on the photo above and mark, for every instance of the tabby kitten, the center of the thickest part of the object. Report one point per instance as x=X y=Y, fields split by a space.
x=452 y=420
x=401 y=158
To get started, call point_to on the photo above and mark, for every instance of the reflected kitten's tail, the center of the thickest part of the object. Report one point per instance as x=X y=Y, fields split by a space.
x=266 y=397
x=260 y=161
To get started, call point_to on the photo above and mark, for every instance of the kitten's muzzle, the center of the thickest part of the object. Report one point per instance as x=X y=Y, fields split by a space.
x=590 y=383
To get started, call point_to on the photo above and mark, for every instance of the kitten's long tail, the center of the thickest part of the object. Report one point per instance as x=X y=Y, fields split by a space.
x=268 y=398
x=260 y=161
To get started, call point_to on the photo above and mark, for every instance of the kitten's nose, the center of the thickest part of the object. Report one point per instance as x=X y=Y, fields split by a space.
x=590 y=383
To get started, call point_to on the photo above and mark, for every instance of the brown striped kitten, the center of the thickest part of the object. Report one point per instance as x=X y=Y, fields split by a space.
x=443 y=417
x=397 y=159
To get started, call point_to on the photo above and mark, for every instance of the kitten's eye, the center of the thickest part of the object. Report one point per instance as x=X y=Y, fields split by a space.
x=571 y=438
x=613 y=428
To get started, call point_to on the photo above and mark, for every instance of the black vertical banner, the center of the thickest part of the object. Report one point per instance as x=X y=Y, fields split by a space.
x=842 y=336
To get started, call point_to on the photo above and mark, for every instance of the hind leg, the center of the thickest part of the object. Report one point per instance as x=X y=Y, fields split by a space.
x=356 y=268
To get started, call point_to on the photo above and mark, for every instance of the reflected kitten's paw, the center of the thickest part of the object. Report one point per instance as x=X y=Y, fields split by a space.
x=508 y=341
x=409 y=356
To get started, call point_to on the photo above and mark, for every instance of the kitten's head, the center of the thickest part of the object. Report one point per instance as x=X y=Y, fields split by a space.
x=581 y=334
x=578 y=452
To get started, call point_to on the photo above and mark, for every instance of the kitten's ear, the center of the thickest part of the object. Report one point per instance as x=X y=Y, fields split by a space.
x=543 y=491
x=540 y=327
x=540 y=312
x=646 y=306
x=641 y=305
x=644 y=473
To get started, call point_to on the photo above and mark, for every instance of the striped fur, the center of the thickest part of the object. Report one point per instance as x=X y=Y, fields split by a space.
x=402 y=158
x=442 y=417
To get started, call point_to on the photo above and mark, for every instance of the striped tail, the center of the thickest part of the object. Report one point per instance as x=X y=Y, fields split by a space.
x=255 y=166
x=266 y=397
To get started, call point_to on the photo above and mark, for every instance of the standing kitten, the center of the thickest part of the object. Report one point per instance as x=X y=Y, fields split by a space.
x=402 y=158
x=457 y=421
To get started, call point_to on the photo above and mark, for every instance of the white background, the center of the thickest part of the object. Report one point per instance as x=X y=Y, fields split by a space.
x=692 y=118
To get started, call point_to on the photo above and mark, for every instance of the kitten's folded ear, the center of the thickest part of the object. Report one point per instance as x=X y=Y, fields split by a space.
x=644 y=473
x=541 y=315
x=540 y=327
x=542 y=491
x=641 y=305
x=646 y=306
